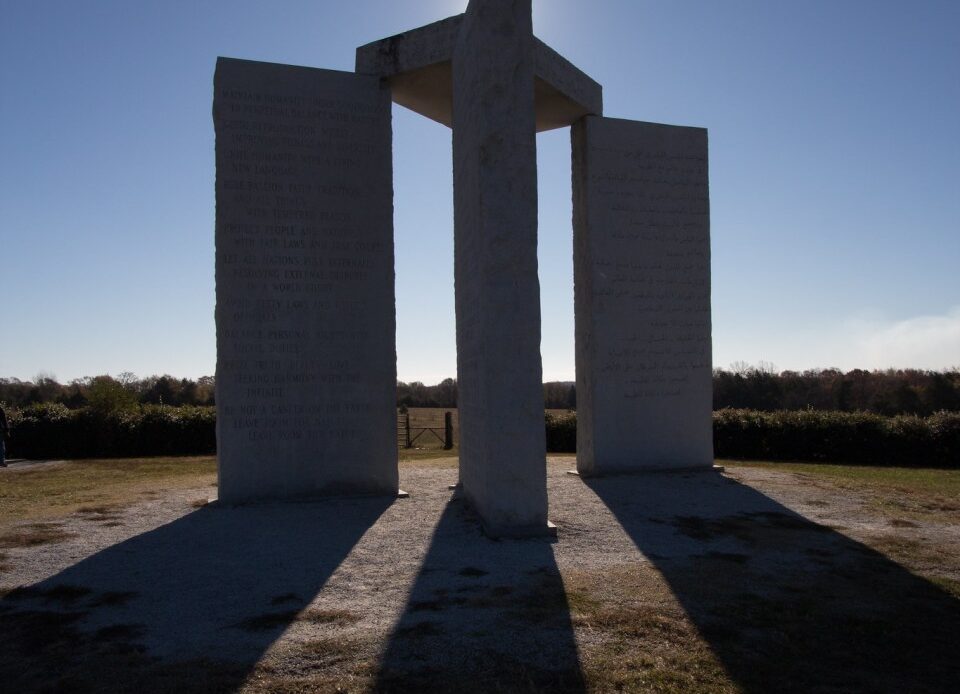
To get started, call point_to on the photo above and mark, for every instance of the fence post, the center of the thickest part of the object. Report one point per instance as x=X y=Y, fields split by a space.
x=406 y=421
x=447 y=431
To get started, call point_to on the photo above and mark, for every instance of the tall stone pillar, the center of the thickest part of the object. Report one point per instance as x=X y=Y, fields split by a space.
x=642 y=296
x=306 y=357
x=500 y=398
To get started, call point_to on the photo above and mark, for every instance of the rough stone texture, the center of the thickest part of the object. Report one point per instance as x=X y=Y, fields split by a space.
x=642 y=296
x=564 y=94
x=419 y=67
x=502 y=447
x=306 y=357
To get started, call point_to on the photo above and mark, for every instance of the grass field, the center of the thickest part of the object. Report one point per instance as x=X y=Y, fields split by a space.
x=901 y=493
x=55 y=490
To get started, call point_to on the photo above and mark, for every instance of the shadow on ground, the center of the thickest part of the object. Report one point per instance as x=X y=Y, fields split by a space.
x=205 y=596
x=787 y=604
x=483 y=615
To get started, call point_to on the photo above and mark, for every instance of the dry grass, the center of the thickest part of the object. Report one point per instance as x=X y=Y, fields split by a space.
x=33 y=535
x=100 y=489
x=636 y=637
x=429 y=457
x=901 y=493
x=95 y=486
x=277 y=620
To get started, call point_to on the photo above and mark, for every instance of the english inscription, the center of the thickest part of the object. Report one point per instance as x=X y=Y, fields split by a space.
x=643 y=294
x=305 y=298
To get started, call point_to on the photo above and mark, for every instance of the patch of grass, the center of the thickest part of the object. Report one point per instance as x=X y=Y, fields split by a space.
x=919 y=555
x=64 y=593
x=101 y=510
x=286 y=597
x=96 y=485
x=946 y=482
x=746 y=527
x=636 y=636
x=34 y=535
x=269 y=621
x=114 y=598
x=420 y=630
x=900 y=523
x=734 y=557
x=950 y=585
x=430 y=457
x=330 y=651
x=119 y=632
x=916 y=492
x=338 y=617
x=472 y=572
x=44 y=651
x=437 y=605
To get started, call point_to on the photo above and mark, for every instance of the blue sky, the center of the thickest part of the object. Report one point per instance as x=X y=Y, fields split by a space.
x=834 y=151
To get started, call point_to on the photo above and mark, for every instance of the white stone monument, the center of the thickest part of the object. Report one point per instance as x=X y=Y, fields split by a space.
x=641 y=213
x=305 y=303
x=306 y=357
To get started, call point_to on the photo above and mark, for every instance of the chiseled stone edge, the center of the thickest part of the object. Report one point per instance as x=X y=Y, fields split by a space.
x=433 y=44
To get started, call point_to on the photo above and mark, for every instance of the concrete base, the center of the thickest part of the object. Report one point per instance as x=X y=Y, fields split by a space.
x=402 y=494
x=455 y=487
x=573 y=472
x=524 y=532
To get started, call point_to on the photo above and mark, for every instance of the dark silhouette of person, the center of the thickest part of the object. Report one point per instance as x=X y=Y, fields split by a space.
x=4 y=435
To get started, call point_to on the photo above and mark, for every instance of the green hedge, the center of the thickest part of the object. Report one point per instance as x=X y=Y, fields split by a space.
x=841 y=437
x=815 y=435
x=562 y=433
x=53 y=431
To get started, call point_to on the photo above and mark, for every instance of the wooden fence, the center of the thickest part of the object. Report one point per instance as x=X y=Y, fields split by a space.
x=428 y=428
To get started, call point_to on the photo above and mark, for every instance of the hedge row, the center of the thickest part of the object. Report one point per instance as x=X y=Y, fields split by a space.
x=816 y=435
x=841 y=437
x=53 y=431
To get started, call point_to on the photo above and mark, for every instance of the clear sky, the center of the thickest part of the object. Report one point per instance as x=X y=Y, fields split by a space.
x=835 y=173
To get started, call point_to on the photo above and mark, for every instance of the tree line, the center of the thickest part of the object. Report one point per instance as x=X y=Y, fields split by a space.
x=742 y=386
x=887 y=392
x=107 y=392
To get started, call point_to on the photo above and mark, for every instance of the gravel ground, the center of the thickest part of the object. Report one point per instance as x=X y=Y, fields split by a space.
x=408 y=584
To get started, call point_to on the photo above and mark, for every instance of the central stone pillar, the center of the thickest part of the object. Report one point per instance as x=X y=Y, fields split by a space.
x=502 y=442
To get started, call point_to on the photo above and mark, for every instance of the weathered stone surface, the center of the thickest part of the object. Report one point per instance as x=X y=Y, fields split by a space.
x=418 y=65
x=642 y=296
x=306 y=358
x=500 y=396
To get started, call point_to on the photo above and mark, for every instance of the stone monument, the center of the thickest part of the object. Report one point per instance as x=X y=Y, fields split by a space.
x=305 y=304
x=641 y=230
x=306 y=358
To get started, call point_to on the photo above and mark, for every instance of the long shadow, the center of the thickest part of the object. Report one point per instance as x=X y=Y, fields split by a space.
x=482 y=616
x=189 y=606
x=785 y=603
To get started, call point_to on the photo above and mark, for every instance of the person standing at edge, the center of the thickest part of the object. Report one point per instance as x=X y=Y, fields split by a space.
x=4 y=435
